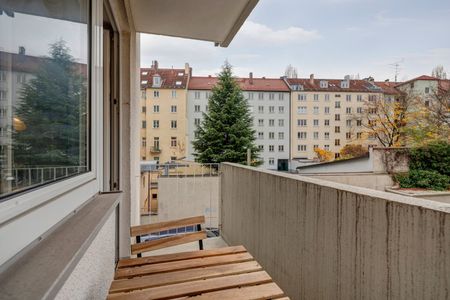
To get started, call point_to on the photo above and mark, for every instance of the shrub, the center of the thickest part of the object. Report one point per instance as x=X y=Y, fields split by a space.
x=423 y=179
x=435 y=156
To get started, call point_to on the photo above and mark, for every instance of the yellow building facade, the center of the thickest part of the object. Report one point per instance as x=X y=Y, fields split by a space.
x=163 y=114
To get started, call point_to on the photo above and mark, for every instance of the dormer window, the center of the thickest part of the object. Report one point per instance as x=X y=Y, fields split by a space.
x=323 y=84
x=181 y=74
x=157 y=80
x=178 y=83
x=144 y=73
x=345 y=84
x=144 y=82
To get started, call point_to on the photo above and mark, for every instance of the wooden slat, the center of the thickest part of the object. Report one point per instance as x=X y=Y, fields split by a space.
x=168 y=242
x=182 y=265
x=161 y=226
x=132 y=262
x=196 y=287
x=257 y=292
x=125 y=285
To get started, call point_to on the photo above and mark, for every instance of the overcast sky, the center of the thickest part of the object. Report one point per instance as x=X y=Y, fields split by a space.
x=330 y=38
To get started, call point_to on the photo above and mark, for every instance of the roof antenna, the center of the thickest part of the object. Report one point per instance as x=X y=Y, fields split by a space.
x=396 y=65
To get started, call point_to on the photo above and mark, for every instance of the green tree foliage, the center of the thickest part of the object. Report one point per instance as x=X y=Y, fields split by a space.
x=425 y=179
x=226 y=131
x=434 y=156
x=53 y=110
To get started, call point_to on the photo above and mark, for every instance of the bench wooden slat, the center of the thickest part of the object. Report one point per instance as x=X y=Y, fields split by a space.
x=196 y=287
x=182 y=265
x=257 y=292
x=132 y=262
x=160 y=279
x=161 y=226
x=168 y=242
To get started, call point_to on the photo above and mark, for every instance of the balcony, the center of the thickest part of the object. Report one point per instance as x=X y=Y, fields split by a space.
x=154 y=149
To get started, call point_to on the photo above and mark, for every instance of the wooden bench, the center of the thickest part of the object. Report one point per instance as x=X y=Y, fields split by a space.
x=223 y=273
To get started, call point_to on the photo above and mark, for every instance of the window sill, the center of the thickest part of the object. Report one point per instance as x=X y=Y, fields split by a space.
x=57 y=254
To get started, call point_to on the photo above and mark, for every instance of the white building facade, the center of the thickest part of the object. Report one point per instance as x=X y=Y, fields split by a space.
x=269 y=101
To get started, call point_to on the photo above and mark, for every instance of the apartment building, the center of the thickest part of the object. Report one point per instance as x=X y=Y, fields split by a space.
x=269 y=101
x=323 y=114
x=163 y=114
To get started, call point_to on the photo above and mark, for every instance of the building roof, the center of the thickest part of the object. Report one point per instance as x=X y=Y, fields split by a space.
x=422 y=77
x=388 y=87
x=246 y=84
x=170 y=78
x=334 y=85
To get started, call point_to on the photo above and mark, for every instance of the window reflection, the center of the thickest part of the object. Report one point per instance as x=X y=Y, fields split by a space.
x=43 y=92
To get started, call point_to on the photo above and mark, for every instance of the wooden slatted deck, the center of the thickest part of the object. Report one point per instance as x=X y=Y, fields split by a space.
x=224 y=273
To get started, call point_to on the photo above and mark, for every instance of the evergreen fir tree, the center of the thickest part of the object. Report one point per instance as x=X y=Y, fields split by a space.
x=53 y=109
x=226 y=131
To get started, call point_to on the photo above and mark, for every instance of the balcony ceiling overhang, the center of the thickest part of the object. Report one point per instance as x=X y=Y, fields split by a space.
x=217 y=21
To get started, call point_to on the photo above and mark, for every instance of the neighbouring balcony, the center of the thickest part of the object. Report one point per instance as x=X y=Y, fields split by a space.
x=154 y=149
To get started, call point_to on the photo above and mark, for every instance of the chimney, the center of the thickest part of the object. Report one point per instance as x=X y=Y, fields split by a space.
x=311 y=79
x=155 y=65
x=250 y=77
x=21 y=50
x=187 y=70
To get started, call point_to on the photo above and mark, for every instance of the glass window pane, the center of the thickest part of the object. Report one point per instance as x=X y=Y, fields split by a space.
x=44 y=87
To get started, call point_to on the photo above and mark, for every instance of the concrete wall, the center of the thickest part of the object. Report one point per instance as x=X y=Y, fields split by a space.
x=324 y=240
x=87 y=281
x=366 y=180
x=180 y=197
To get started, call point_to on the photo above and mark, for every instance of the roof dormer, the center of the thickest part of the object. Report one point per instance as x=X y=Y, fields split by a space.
x=156 y=81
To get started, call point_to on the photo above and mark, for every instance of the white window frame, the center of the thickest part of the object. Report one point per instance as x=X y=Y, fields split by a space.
x=63 y=197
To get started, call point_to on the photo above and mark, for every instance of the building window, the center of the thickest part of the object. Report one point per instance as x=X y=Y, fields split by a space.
x=197 y=121
x=337 y=142
x=327 y=97
x=281 y=135
x=348 y=135
x=155 y=123
x=3 y=95
x=315 y=147
x=301 y=110
x=206 y=108
x=261 y=135
x=281 y=109
x=348 y=123
x=155 y=94
x=173 y=108
x=173 y=141
x=327 y=110
x=301 y=97
x=359 y=110
x=316 y=110
x=261 y=147
x=359 y=98
x=271 y=122
x=337 y=129
x=197 y=95
x=301 y=147
x=157 y=81
x=260 y=122
x=197 y=108
x=271 y=135
x=280 y=148
x=348 y=110
x=316 y=97
x=348 y=98
x=359 y=135
x=337 y=117
x=2 y=76
x=326 y=135
x=372 y=98
x=250 y=96
x=271 y=148
x=326 y=122
x=301 y=122
x=156 y=143
x=316 y=135
x=144 y=124
x=326 y=147
x=281 y=96
x=3 y=112
x=271 y=161
x=315 y=122
x=144 y=142
x=427 y=90
x=336 y=155
x=261 y=96
x=301 y=135
x=337 y=104
x=261 y=109
x=271 y=109
x=280 y=122
x=358 y=122
x=144 y=109
x=271 y=96
x=156 y=108
x=173 y=124
x=21 y=78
